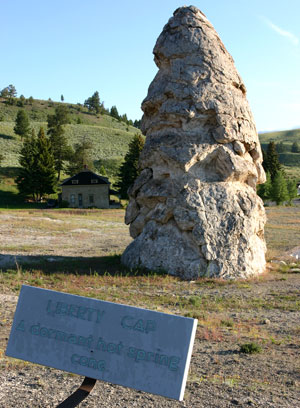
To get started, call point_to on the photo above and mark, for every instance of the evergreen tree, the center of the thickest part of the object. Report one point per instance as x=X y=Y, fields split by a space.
x=22 y=127
x=60 y=147
x=114 y=112
x=4 y=93
x=27 y=160
x=9 y=93
x=279 y=191
x=137 y=123
x=12 y=92
x=80 y=157
x=295 y=148
x=281 y=147
x=292 y=190
x=21 y=101
x=124 y=118
x=129 y=170
x=93 y=103
x=62 y=98
x=264 y=190
x=46 y=174
x=37 y=175
x=272 y=164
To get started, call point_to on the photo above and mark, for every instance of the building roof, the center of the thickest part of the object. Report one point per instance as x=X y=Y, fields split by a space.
x=85 y=178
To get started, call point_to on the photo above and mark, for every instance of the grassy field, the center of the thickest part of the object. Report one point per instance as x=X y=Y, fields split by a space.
x=78 y=251
x=91 y=241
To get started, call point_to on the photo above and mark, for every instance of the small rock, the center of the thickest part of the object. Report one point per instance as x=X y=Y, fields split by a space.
x=266 y=321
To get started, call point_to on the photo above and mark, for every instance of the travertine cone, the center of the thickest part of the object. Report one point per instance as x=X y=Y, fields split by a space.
x=193 y=210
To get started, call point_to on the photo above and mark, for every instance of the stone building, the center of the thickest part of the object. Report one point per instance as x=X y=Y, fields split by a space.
x=85 y=190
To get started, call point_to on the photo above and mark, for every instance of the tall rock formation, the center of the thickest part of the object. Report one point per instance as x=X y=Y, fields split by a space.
x=193 y=211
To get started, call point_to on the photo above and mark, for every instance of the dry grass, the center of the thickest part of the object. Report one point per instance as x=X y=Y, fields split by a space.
x=282 y=230
x=74 y=253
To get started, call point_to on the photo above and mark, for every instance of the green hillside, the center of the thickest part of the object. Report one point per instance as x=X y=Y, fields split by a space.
x=109 y=136
x=285 y=136
x=291 y=161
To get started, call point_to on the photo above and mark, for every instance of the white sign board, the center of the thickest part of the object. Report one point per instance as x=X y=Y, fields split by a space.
x=129 y=346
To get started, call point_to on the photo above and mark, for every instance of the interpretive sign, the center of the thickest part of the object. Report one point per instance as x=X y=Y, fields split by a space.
x=138 y=348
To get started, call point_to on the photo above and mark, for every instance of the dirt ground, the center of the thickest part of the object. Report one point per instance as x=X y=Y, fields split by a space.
x=220 y=375
x=29 y=236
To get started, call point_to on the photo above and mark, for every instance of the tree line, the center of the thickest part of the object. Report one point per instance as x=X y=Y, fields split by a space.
x=277 y=187
x=92 y=103
x=284 y=147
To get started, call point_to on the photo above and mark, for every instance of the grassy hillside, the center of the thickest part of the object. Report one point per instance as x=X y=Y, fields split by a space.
x=109 y=136
x=291 y=161
x=285 y=136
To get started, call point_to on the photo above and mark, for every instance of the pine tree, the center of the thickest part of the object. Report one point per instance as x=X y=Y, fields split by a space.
x=27 y=171
x=264 y=190
x=279 y=191
x=295 y=148
x=129 y=170
x=37 y=175
x=292 y=190
x=61 y=149
x=93 y=103
x=114 y=112
x=4 y=93
x=124 y=118
x=281 y=147
x=272 y=164
x=21 y=102
x=12 y=92
x=46 y=174
x=80 y=157
x=9 y=93
x=22 y=127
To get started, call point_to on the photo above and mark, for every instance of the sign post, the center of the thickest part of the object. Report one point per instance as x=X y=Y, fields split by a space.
x=138 y=348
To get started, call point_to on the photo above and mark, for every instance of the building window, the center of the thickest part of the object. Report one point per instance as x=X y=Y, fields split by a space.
x=91 y=198
x=72 y=199
x=94 y=181
x=74 y=181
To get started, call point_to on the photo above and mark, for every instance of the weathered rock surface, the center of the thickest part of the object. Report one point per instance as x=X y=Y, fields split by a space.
x=193 y=210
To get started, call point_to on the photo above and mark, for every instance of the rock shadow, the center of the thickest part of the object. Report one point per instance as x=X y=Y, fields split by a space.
x=109 y=264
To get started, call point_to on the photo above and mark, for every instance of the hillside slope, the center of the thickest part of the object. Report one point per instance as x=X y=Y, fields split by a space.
x=287 y=137
x=109 y=136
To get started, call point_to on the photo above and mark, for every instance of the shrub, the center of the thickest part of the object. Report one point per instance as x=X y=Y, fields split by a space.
x=250 y=348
